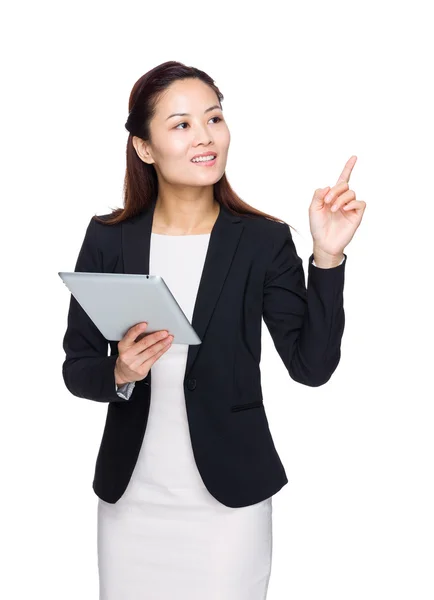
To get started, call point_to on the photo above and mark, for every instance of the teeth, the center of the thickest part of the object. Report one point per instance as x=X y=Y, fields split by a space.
x=203 y=158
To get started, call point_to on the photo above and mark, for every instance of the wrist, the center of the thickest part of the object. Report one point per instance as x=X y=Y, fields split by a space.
x=120 y=383
x=118 y=379
x=324 y=260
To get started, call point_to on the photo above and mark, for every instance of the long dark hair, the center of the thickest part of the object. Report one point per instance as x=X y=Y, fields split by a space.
x=141 y=183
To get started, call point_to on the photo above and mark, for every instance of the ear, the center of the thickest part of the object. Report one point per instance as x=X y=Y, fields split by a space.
x=142 y=150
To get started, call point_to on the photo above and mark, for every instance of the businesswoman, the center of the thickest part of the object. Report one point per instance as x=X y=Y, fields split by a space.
x=187 y=466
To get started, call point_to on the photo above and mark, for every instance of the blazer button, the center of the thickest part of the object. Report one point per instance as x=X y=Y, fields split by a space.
x=191 y=384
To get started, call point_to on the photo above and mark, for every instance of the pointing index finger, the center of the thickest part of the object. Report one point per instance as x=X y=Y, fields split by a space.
x=346 y=173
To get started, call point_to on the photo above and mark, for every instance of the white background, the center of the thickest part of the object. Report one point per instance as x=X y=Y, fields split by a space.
x=306 y=86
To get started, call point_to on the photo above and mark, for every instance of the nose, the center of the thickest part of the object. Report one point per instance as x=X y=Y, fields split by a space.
x=202 y=135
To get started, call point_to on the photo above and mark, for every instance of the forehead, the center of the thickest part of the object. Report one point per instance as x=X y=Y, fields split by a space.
x=187 y=95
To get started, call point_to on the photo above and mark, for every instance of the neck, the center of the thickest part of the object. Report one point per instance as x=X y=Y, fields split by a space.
x=179 y=217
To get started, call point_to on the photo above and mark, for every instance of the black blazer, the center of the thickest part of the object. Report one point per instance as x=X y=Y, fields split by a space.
x=251 y=272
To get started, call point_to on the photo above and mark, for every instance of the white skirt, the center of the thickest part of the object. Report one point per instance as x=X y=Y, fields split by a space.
x=167 y=537
x=181 y=545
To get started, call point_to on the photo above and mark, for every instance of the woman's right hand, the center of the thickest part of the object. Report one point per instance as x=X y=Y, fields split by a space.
x=135 y=359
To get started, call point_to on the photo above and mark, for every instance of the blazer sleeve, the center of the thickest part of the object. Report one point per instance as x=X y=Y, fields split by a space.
x=306 y=324
x=87 y=370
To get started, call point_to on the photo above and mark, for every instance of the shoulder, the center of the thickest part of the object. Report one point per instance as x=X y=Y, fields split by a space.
x=106 y=239
x=104 y=233
x=265 y=231
x=260 y=224
x=273 y=242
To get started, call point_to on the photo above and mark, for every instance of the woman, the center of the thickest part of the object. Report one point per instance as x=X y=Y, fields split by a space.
x=187 y=467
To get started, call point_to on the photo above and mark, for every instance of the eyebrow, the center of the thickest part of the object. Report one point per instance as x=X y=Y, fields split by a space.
x=188 y=114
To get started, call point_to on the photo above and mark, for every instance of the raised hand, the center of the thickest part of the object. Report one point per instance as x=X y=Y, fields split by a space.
x=334 y=215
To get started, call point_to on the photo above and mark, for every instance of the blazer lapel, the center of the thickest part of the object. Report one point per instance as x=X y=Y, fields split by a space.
x=224 y=238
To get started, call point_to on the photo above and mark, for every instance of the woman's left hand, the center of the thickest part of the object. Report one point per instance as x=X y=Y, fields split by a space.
x=335 y=214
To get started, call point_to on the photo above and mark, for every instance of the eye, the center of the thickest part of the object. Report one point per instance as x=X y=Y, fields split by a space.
x=184 y=123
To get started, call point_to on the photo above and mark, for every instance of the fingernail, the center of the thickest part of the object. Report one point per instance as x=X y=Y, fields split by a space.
x=327 y=198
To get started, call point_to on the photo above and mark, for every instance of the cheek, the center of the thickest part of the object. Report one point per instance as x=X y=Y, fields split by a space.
x=173 y=160
x=177 y=148
x=171 y=149
x=224 y=139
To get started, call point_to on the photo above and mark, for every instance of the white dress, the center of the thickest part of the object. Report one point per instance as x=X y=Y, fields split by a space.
x=167 y=537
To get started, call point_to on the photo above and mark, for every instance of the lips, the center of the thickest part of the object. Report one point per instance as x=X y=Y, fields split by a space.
x=204 y=154
x=209 y=162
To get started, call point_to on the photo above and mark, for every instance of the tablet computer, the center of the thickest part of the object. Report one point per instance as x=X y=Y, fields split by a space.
x=117 y=301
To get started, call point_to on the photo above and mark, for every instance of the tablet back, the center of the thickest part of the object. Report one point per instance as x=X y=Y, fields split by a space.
x=117 y=301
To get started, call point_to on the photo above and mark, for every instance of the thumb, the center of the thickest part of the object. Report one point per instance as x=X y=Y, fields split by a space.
x=318 y=197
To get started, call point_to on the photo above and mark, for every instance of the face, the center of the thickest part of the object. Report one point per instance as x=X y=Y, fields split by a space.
x=177 y=139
